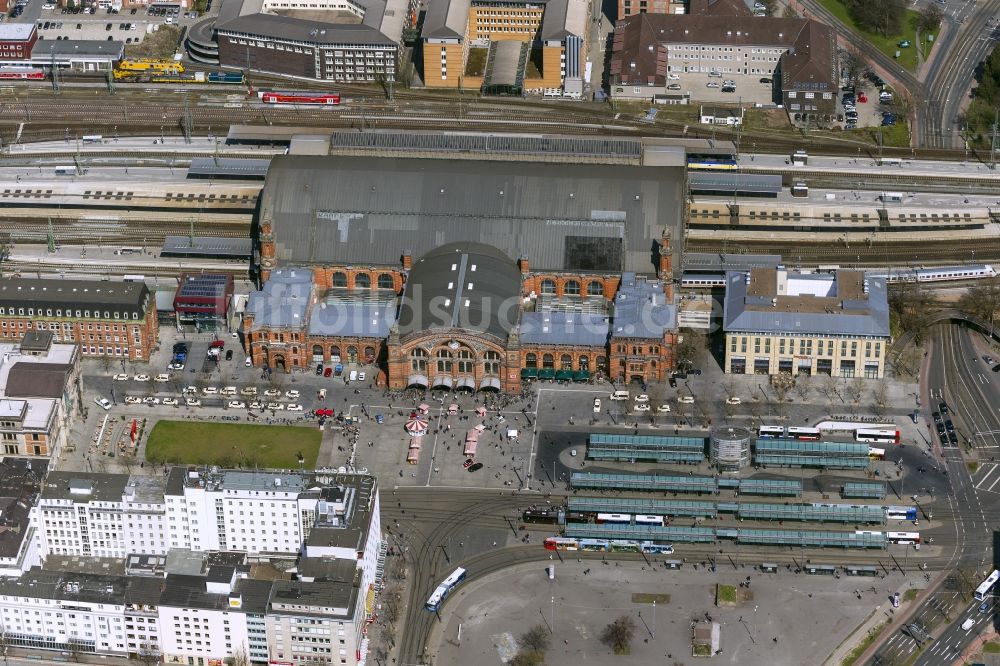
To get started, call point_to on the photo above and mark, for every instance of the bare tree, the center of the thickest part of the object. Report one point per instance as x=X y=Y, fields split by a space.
x=239 y=658
x=908 y=360
x=780 y=387
x=789 y=11
x=689 y=349
x=855 y=388
x=618 y=635
x=880 y=396
x=930 y=18
x=535 y=639
x=829 y=388
x=149 y=656
x=802 y=386
x=983 y=300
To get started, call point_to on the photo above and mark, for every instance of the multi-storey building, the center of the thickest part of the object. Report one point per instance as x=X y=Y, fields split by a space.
x=202 y=300
x=442 y=297
x=20 y=483
x=511 y=47
x=39 y=388
x=779 y=321
x=17 y=40
x=101 y=515
x=113 y=319
x=327 y=40
x=198 y=606
x=799 y=54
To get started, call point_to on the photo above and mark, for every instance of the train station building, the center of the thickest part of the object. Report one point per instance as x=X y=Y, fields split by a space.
x=461 y=274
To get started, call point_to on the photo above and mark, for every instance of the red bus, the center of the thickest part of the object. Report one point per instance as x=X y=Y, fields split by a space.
x=290 y=97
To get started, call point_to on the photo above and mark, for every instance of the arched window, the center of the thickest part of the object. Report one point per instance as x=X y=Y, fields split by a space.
x=339 y=279
x=385 y=281
x=595 y=288
x=317 y=352
x=369 y=354
x=601 y=363
x=443 y=360
x=335 y=353
x=566 y=362
x=571 y=288
x=530 y=361
x=352 y=354
x=584 y=363
x=548 y=361
x=418 y=360
x=491 y=363
x=363 y=281
x=466 y=362
x=548 y=286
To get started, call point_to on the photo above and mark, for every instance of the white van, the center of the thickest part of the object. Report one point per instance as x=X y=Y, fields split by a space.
x=353 y=377
x=620 y=395
x=248 y=362
x=685 y=399
x=968 y=624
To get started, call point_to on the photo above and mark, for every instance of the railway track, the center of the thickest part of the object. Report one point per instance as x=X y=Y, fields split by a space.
x=873 y=254
x=92 y=231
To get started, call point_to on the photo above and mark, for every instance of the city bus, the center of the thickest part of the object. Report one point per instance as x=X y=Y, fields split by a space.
x=901 y=512
x=984 y=588
x=875 y=453
x=805 y=434
x=543 y=516
x=65 y=170
x=903 y=538
x=770 y=432
x=876 y=436
x=614 y=518
x=444 y=589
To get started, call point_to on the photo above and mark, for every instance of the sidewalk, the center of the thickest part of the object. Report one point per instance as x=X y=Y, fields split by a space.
x=898 y=619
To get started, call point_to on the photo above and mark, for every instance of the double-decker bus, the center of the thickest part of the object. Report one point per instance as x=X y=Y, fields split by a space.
x=805 y=434
x=984 y=588
x=903 y=538
x=444 y=589
x=876 y=436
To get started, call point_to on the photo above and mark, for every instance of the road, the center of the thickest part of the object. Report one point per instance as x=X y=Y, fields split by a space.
x=967 y=40
x=960 y=378
x=937 y=98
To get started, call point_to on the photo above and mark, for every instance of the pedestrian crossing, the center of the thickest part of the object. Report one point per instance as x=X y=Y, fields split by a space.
x=988 y=477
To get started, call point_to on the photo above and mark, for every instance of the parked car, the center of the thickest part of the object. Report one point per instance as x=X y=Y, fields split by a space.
x=294 y=407
x=192 y=402
x=151 y=400
x=272 y=393
x=597 y=405
x=292 y=393
x=663 y=409
x=237 y=404
x=141 y=378
x=476 y=467
x=276 y=406
x=733 y=401
x=120 y=377
x=171 y=402
x=641 y=407
x=248 y=390
x=162 y=377
x=711 y=84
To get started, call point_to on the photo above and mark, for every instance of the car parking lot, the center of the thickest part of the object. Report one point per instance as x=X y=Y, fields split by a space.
x=126 y=25
x=722 y=87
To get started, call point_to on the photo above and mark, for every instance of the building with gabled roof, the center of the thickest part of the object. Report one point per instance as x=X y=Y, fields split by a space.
x=799 y=53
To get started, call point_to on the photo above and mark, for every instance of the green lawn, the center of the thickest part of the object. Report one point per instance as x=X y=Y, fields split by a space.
x=475 y=65
x=232 y=445
x=991 y=648
x=907 y=56
x=726 y=593
x=859 y=649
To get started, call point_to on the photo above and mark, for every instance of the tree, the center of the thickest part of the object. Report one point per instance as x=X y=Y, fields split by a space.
x=535 y=639
x=149 y=656
x=690 y=347
x=910 y=309
x=802 y=386
x=884 y=17
x=239 y=658
x=983 y=300
x=881 y=397
x=524 y=658
x=618 y=635
x=855 y=65
x=770 y=7
x=930 y=18
x=789 y=12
